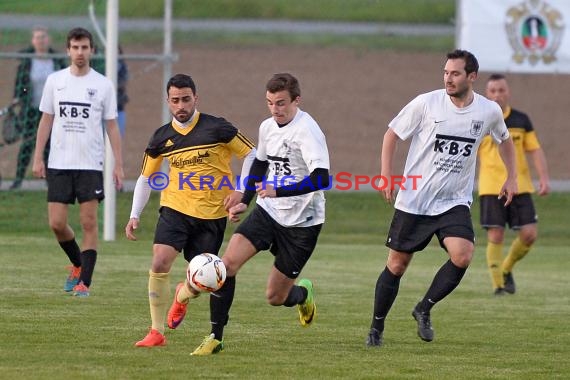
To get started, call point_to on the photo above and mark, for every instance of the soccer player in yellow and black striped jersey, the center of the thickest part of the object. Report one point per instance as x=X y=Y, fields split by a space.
x=520 y=214
x=196 y=194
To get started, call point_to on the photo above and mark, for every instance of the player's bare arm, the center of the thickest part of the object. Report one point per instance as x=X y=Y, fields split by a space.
x=539 y=161
x=507 y=153
x=388 y=149
x=44 y=131
x=115 y=140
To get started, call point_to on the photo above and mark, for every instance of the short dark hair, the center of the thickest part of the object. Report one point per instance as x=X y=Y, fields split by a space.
x=79 y=34
x=181 y=81
x=284 y=82
x=496 y=76
x=471 y=64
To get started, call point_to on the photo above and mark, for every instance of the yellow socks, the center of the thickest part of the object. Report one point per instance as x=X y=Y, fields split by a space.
x=494 y=259
x=185 y=294
x=158 y=298
x=517 y=251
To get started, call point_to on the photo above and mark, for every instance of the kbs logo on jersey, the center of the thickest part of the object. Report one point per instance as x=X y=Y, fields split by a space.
x=74 y=110
x=281 y=165
x=454 y=148
x=454 y=145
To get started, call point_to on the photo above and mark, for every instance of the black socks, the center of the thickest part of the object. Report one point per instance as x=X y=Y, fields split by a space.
x=88 y=260
x=445 y=280
x=386 y=291
x=296 y=296
x=72 y=251
x=220 y=304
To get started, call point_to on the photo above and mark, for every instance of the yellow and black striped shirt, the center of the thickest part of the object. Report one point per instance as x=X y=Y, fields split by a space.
x=199 y=157
x=492 y=171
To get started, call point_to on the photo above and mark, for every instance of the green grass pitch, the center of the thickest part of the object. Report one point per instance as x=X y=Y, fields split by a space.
x=48 y=334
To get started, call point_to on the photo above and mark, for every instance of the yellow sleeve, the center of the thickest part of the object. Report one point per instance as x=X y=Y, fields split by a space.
x=240 y=145
x=530 y=142
x=150 y=165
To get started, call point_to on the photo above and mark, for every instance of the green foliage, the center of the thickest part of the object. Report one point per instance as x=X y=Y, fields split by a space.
x=421 y=11
x=363 y=42
x=48 y=334
x=412 y=11
x=17 y=39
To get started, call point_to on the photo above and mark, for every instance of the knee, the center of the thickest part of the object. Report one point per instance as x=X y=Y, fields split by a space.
x=462 y=262
x=231 y=267
x=496 y=235
x=528 y=237
x=397 y=265
x=89 y=224
x=274 y=298
x=58 y=227
x=397 y=269
x=463 y=259
x=161 y=264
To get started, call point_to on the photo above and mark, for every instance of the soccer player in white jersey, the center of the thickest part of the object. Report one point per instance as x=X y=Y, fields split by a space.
x=446 y=127
x=289 y=172
x=74 y=103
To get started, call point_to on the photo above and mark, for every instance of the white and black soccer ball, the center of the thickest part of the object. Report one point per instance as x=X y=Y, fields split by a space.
x=206 y=272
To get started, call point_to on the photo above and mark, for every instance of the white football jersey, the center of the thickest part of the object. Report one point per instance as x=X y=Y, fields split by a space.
x=293 y=152
x=79 y=105
x=443 y=150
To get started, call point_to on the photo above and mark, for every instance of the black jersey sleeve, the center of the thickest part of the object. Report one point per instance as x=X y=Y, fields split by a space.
x=318 y=179
x=226 y=130
x=156 y=142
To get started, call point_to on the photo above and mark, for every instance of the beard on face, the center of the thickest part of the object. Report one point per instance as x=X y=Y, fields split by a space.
x=183 y=117
x=457 y=92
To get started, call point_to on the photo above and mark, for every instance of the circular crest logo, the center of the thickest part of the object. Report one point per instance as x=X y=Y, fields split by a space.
x=535 y=30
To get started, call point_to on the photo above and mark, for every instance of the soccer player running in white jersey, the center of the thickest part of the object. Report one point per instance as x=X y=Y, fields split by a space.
x=446 y=127
x=74 y=103
x=289 y=172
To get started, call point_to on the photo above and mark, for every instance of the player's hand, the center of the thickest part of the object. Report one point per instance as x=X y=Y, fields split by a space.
x=265 y=191
x=235 y=211
x=39 y=169
x=118 y=176
x=387 y=190
x=509 y=190
x=130 y=228
x=543 y=188
x=233 y=199
x=388 y=195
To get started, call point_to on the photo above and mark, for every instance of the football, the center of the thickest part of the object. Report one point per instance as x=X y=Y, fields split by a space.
x=206 y=272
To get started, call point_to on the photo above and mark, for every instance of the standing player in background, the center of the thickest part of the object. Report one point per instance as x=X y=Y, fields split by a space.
x=74 y=103
x=30 y=79
x=520 y=214
x=446 y=127
x=289 y=213
x=194 y=203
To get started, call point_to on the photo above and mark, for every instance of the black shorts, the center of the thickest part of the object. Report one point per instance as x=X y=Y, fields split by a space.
x=64 y=186
x=185 y=232
x=291 y=246
x=412 y=233
x=518 y=213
